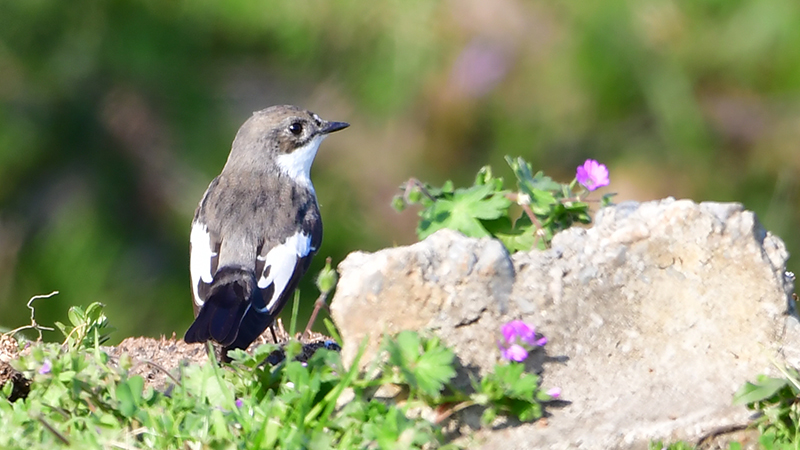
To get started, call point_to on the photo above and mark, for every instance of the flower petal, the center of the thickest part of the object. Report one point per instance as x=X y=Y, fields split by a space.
x=582 y=175
x=554 y=392
x=517 y=330
x=515 y=353
x=47 y=366
x=592 y=175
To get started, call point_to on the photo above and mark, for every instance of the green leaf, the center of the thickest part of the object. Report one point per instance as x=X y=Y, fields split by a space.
x=488 y=416
x=94 y=312
x=414 y=195
x=398 y=203
x=270 y=432
x=542 y=202
x=518 y=237
x=435 y=369
x=447 y=187
x=404 y=349
x=527 y=411
x=606 y=200
x=76 y=316
x=129 y=394
x=7 y=388
x=765 y=388
x=425 y=365
x=464 y=212
x=528 y=182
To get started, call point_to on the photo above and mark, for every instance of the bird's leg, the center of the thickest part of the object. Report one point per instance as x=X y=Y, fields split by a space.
x=320 y=303
x=217 y=352
x=223 y=355
x=274 y=336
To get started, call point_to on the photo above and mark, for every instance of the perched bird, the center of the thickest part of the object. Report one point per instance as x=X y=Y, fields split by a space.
x=257 y=227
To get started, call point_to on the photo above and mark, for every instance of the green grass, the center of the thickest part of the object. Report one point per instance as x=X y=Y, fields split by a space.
x=82 y=398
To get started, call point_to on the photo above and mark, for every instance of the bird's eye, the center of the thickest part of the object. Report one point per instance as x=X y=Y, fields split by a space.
x=296 y=128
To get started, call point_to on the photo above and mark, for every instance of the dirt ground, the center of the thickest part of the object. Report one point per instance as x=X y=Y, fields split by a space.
x=157 y=360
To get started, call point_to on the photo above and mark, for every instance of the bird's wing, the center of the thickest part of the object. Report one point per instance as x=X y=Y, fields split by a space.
x=203 y=261
x=278 y=271
x=283 y=265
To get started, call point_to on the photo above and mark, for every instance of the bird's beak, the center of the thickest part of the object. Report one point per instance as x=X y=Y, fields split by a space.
x=330 y=127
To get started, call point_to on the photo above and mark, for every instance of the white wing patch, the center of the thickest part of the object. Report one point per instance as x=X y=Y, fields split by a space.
x=280 y=265
x=298 y=163
x=200 y=259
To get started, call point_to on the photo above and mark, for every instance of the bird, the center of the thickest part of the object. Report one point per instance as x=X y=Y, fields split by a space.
x=256 y=228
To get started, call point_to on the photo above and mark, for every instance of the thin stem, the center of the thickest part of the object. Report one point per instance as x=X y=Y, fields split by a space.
x=514 y=197
x=33 y=324
x=413 y=182
x=319 y=304
x=450 y=411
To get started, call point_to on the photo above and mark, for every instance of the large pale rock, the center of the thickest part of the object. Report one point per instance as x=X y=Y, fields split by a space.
x=443 y=283
x=656 y=316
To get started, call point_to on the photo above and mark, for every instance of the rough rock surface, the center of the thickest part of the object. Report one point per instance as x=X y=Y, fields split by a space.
x=445 y=283
x=656 y=315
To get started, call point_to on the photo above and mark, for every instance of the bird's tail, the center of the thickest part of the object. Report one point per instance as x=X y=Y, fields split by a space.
x=230 y=295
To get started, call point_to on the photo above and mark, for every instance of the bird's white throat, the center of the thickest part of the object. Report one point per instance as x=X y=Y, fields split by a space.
x=298 y=163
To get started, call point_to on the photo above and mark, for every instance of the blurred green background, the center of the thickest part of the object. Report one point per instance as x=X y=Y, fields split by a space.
x=116 y=114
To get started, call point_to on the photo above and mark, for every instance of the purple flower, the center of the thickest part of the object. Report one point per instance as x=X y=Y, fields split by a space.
x=47 y=366
x=239 y=403
x=592 y=175
x=518 y=338
x=518 y=330
x=554 y=392
x=514 y=353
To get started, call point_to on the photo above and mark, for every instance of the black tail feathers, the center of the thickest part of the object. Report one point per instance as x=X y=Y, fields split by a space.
x=229 y=297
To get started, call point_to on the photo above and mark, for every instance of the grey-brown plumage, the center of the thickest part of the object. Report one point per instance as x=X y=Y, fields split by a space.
x=257 y=227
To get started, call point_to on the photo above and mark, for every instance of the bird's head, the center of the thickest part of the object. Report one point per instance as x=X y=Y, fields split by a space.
x=281 y=137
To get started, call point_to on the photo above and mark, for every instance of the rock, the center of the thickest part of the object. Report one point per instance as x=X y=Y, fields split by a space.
x=655 y=317
x=444 y=283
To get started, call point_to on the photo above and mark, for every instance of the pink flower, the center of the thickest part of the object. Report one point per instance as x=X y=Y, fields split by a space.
x=592 y=175
x=554 y=392
x=514 y=353
x=518 y=338
x=518 y=330
x=47 y=366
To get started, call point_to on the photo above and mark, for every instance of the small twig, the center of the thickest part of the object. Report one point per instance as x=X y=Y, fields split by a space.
x=514 y=197
x=61 y=411
x=412 y=182
x=66 y=338
x=156 y=366
x=450 y=411
x=55 y=432
x=726 y=429
x=578 y=199
x=33 y=324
